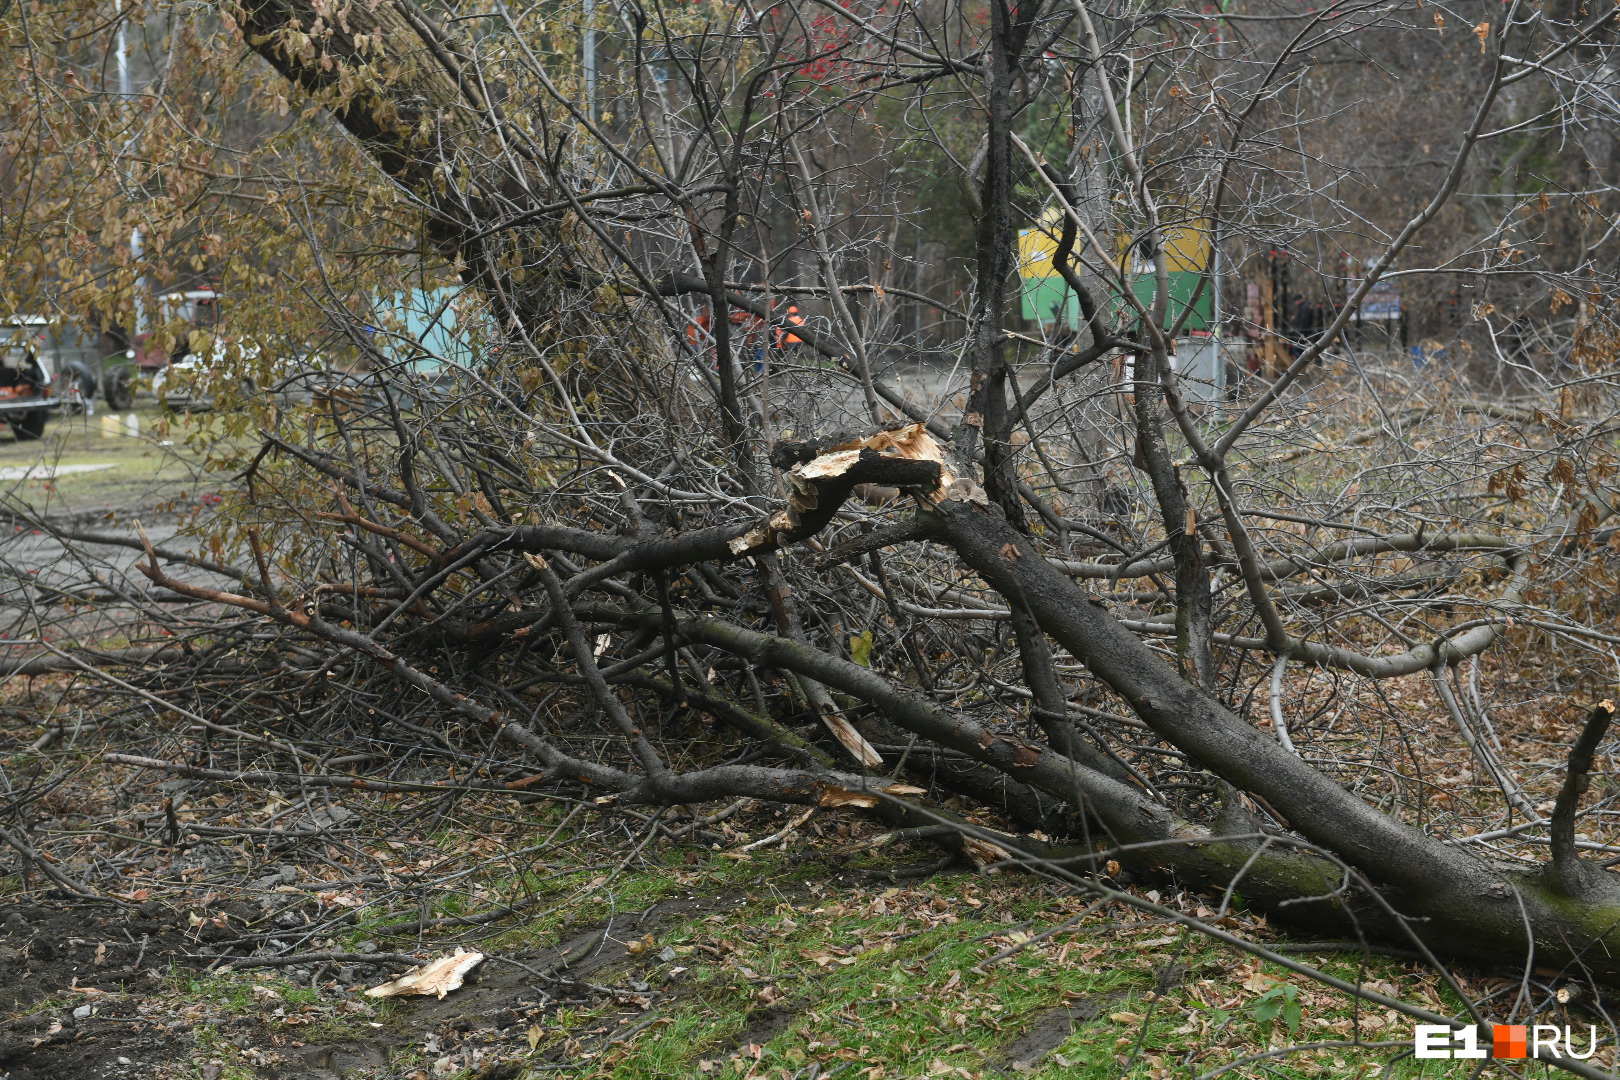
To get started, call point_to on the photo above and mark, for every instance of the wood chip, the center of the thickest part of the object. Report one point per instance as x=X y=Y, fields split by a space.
x=983 y=852
x=436 y=977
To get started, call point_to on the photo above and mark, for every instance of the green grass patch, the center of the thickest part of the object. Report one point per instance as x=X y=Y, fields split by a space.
x=767 y=967
x=898 y=983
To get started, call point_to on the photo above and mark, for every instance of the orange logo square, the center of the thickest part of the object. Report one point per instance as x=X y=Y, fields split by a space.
x=1508 y=1041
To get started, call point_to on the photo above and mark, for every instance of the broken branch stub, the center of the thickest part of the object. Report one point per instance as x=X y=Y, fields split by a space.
x=906 y=458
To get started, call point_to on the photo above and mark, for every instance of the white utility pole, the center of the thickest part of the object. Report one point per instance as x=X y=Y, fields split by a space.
x=588 y=48
x=124 y=94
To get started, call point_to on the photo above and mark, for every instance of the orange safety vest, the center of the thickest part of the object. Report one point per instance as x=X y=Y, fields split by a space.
x=693 y=328
x=796 y=319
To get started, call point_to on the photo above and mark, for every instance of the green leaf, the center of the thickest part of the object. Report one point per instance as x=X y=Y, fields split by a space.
x=1280 y=1001
x=860 y=648
x=1293 y=1014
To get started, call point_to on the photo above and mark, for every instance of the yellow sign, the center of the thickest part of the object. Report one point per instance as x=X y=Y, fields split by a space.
x=1037 y=246
x=1186 y=248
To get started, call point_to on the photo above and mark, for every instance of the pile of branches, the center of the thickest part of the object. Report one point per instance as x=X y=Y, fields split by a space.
x=463 y=593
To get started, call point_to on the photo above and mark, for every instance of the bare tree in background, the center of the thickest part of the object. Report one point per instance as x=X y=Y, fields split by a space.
x=1323 y=641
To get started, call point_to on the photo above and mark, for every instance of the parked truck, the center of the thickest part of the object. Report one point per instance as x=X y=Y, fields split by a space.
x=44 y=367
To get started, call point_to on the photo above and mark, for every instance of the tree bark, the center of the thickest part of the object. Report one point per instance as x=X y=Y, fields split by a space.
x=1453 y=901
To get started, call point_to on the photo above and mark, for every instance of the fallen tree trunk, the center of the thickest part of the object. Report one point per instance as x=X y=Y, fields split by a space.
x=1348 y=866
x=1457 y=903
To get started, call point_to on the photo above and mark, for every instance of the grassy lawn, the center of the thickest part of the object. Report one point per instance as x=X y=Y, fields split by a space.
x=133 y=464
x=770 y=973
x=887 y=982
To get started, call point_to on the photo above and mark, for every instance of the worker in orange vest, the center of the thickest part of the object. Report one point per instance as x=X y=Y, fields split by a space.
x=698 y=332
x=784 y=336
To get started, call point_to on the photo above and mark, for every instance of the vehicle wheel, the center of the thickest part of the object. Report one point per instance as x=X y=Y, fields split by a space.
x=80 y=389
x=116 y=389
x=30 y=425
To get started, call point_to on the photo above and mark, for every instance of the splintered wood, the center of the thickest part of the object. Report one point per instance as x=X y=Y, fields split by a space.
x=438 y=977
x=911 y=443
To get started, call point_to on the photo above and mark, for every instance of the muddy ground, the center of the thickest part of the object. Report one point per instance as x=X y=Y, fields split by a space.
x=100 y=992
x=104 y=993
